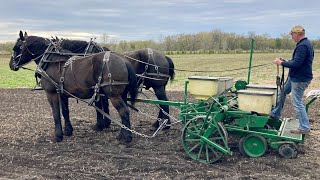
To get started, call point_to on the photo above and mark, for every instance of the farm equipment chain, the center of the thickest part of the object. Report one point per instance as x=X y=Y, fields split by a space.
x=164 y=112
x=125 y=127
x=161 y=120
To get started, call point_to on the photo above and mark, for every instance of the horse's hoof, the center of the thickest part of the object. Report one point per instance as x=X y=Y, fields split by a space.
x=166 y=127
x=106 y=124
x=153 y=128
x=155 y=125
x=97 y=128
x=124 y=139
x=68 y=131
x=58 y=139
x=100 y=127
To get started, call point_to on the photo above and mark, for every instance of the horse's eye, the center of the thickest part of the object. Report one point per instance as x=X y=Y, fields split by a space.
x=21 y=47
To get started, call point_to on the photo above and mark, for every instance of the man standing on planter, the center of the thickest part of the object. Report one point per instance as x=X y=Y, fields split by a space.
x=299 y=77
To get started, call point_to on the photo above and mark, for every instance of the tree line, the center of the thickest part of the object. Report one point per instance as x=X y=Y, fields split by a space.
x=215 y=41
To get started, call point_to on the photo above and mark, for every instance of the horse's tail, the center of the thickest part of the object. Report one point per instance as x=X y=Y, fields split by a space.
x=132 y=87
x=171 y=68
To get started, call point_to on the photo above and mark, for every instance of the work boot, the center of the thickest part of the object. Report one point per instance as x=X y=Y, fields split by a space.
x=300 y=131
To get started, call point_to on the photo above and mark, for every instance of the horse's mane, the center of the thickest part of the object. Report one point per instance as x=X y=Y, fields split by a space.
x=38 y=41
x=73 y=45
x=141 y=54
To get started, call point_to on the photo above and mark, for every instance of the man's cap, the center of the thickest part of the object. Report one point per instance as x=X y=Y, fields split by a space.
x=297 y=29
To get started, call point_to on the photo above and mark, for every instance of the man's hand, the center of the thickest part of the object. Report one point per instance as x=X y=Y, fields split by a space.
x=278 y=60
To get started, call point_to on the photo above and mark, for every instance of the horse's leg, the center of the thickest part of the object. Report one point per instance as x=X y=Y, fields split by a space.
x=161 y=95
x=125 y=96
x=53 y=99
x=102 y=121
x=125 y=136
x=68 y=129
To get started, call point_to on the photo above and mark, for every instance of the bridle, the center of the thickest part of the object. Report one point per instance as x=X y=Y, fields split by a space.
x=16 y=63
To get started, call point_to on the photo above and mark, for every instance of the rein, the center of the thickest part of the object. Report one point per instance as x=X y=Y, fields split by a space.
x=28 y=69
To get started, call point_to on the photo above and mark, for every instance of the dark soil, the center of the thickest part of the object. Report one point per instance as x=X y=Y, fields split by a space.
x=27 y=151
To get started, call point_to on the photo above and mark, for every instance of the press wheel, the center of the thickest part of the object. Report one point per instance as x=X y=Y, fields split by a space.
x=198 y=149
x=253 y=145
x=288 y=150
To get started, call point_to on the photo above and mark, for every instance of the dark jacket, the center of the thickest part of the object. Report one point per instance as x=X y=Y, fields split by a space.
x=300 y=66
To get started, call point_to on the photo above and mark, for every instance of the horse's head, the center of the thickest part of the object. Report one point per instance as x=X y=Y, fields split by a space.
x=17 y=50
x=26 y=49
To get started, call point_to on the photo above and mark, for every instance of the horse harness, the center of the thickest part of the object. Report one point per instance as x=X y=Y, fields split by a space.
x=91 y=45
x=55 y=47
x=52 y=49
x=99 y=84
x=147 y=75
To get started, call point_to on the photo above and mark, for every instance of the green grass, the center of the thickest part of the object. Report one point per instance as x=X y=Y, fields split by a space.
x=15 y=79
x=190 y=62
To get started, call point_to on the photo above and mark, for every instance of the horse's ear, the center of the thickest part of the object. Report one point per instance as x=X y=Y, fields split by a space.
x=21 y=35
x=25 y=34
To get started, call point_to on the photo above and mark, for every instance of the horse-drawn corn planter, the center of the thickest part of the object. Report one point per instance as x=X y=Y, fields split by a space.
x=220 y=111
x=240 y=110
x=244 y=113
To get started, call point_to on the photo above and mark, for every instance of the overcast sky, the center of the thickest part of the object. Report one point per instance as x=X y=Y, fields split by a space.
x=155 y=19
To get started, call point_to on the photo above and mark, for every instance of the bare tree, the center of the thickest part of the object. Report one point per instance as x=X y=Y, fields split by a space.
x=104 y=38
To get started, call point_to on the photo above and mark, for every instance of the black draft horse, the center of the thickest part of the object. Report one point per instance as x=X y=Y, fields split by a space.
x=107 y=72
x=153 y=68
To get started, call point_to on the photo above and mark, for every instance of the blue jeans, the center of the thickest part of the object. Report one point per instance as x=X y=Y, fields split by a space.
x=297 y=90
